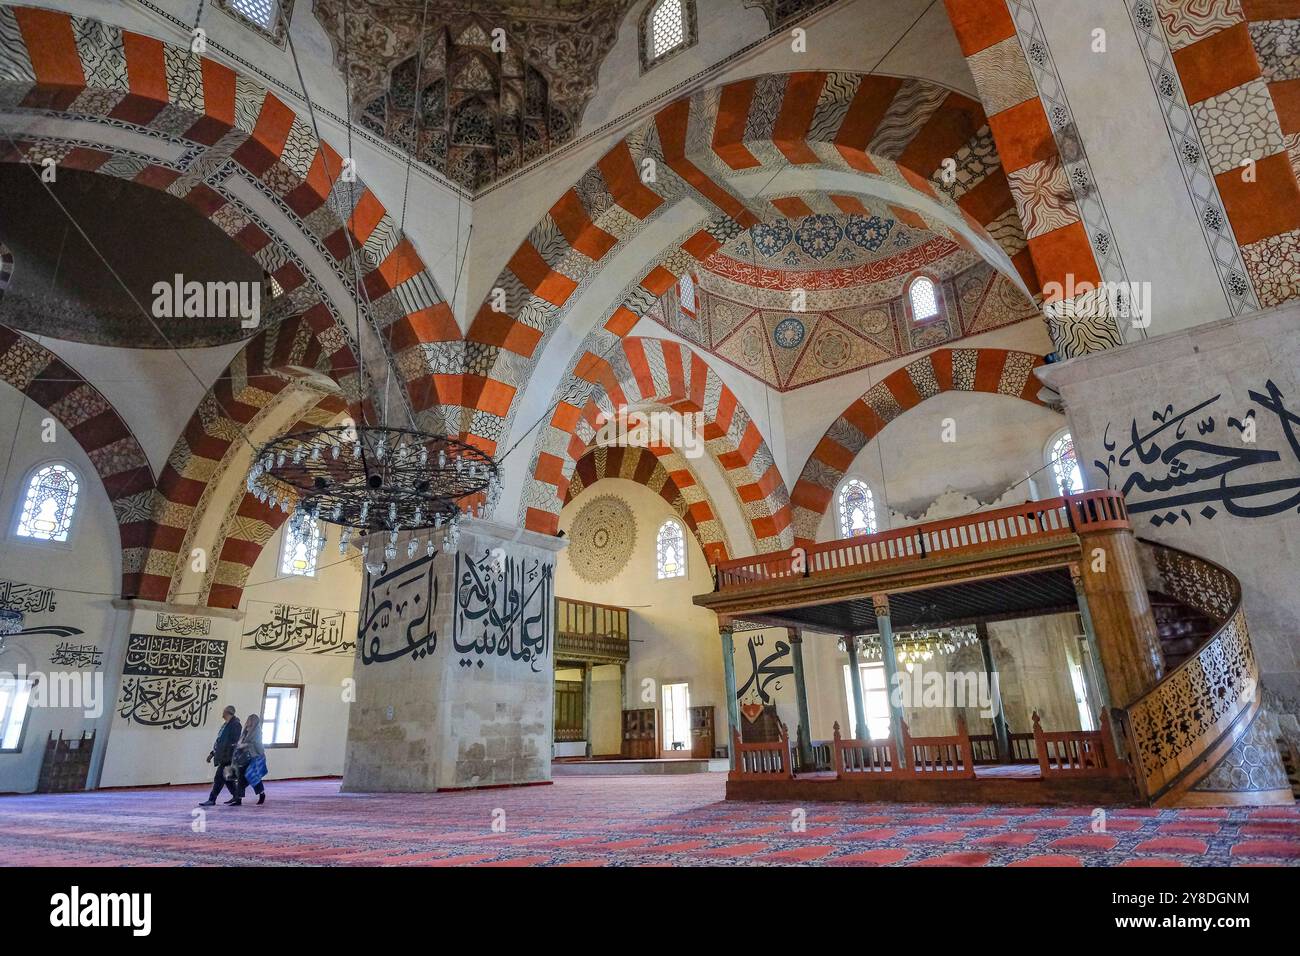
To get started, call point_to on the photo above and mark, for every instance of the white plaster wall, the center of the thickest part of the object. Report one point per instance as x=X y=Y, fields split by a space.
x=810 y=410
x=87 y=572
x=999 y=442
x=672 y=640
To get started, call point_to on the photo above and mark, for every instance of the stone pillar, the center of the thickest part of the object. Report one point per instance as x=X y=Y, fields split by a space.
x=586 y=705
x=1090 y=635
x=1115 y=593
x=801 y=697
x=1000 y=730
x=881 y=604
x=455 y=670
x=729 y=681
x=855 y=681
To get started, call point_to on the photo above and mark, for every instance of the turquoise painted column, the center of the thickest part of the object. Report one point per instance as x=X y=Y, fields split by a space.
x=801 y=698
x=729 y=680
x=855 y=681
x=890 y=660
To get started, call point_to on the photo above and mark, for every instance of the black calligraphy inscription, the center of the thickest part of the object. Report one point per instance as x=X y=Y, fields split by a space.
x=68 y=654
x=298 y=630
x=183 y=624
x=503 y=608
x=170 y=702
x=768 y=671
x=15 y=596
x=154 y=655
x=1177 y=463
x=406 y=599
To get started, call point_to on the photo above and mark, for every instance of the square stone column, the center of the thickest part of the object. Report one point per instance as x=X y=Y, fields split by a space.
x=454 y=677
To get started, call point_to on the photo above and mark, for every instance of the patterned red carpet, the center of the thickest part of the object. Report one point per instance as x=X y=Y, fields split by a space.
x=614 y=821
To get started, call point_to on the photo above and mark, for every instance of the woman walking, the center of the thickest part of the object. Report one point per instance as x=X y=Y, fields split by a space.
x=250 y=761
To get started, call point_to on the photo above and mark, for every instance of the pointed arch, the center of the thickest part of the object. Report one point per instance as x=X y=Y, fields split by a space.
x=667 y=474
x=97 y=427
x=667 y=373
x=891 y=132
x=265 y=367
x=995 y=371
x=94 y=75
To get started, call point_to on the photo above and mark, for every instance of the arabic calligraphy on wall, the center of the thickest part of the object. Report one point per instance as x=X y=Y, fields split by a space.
x=290 y=629
x=400 y=603
x=1209 y=458
x=154 y=655
x=16 y=596
x=766 y=669
x=68 y=654
x=170 y=682
x=183 y=624
x=173 y=703
x=504 y=608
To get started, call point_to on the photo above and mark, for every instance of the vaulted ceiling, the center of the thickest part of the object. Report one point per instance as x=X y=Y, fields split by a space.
x=473 y=105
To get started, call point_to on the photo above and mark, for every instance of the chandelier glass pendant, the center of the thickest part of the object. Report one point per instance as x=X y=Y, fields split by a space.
x=919 y=646
x=376 y=480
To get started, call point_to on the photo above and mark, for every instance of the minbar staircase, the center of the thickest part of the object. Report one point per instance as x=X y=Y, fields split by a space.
x=1181 y=628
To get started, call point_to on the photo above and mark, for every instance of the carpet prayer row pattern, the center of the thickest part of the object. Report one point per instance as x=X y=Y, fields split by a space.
x=616 y=821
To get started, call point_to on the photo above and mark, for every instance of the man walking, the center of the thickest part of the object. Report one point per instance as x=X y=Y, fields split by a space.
x=222 y=755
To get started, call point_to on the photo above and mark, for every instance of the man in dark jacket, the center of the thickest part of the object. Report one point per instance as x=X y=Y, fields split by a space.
x=223 y=753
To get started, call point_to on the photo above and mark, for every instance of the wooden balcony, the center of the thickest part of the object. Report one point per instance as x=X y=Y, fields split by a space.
x=957 y=562
x=589 y=632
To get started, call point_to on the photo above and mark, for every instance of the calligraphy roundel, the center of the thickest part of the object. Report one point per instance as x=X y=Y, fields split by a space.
x=601 y=539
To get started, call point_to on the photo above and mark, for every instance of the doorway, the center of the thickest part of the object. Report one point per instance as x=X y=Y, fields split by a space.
x=677 y=720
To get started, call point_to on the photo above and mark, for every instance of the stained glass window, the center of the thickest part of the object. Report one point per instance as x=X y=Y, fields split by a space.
x=667 y=27
x=670 y=550
x=261 y=12
x=302 y=542
x=857 y=509
x=1065 y=465
x=924 y=298
x=50 y=504
x=686 y=292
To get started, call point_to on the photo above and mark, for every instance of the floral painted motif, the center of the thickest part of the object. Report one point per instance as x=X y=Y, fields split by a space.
x=818 y=236
x=869 y=233
x=789 y=333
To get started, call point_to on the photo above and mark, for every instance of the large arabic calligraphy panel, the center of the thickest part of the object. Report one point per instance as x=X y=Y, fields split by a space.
x=170 y=682
x=454 y=685
x=290 y=629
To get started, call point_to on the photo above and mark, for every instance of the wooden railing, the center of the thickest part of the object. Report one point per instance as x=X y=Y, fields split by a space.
x=765 y=761
x=949 y=756
x=1204 y=703
x=588 y=631
x=1034 y=522
x=985 y=749
x=863 y=756
x=1077 y=753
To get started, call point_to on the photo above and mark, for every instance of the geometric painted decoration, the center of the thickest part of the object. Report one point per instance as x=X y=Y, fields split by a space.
x=601 y=539
x=670 y=550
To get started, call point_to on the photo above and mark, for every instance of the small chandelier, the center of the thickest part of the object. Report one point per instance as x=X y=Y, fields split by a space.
x=922 y=645
x=11 y=622
x=376 y=480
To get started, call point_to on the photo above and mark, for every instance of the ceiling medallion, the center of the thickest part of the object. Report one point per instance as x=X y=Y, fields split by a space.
x=375 y=480
x=601 y=538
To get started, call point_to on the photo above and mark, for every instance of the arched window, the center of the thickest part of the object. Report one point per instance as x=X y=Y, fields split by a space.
x=49 y=505
x=924 y=298
x=302 y=542
x=686 y=292
x=1065 y=465
x=857 y=509
x=667 y=27
x=670 y=550
x=264 y=16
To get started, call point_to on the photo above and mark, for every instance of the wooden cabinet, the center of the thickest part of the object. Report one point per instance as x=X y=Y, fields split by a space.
x=66 y=764
x=702 y=732
x=640 y=734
